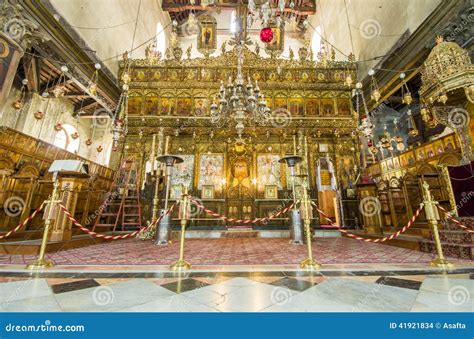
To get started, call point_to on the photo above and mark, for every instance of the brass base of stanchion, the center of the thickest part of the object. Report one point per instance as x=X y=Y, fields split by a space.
x=442 y=263
x=180 y=265
x=310 y=264
x=40 y=264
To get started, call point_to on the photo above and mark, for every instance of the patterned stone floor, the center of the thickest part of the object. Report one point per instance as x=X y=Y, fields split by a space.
x=279 y=291
x=240 y=251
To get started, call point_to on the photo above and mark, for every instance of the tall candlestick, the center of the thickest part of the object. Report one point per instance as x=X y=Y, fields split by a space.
x=153 y=144
x=294 y=144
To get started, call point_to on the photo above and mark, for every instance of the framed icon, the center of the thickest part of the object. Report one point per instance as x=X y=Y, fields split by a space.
x=207 y=192
x=271 y=191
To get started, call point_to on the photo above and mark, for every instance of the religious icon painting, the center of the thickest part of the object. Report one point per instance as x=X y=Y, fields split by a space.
x=176 y=191
x=271 y=192
x=211 y=169
x=280 y=102
x=183 y=174
x=429 y=151
x=207 y=192
x=200 y=107
x=167 y=106
x=268 y=171
x=184 y=106
x=343 y=107
x=438 y=146
x=396 y=163
x=277 y=44
x=134 y=104
x=449 y=144
x=296 y=106
x=327 y=107
x=312 y=107
x=151 y=104
x=207 y=37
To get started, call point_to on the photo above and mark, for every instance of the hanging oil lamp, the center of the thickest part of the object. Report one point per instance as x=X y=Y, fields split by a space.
x=375 y=92
x=39 y=115
x=88 y=142
x=412 y=131
x=75 y=135
x=407 y=98
x=58 y=127
x=99 y=148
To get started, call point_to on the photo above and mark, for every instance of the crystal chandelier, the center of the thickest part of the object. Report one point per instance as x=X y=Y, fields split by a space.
x=239 y=100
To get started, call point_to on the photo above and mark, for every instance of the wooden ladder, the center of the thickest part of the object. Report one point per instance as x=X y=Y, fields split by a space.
x=123 y=209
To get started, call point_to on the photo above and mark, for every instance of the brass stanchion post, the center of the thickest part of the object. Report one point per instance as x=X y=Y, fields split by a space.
x=432 y=215
x=309 y=263
x=41 y=262
x=181 y=264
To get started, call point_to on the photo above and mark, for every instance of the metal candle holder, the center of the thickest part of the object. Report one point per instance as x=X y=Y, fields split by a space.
x=296 y=227
x=163 y=233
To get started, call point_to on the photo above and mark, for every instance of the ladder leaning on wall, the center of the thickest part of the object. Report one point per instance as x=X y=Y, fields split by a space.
x=123 y=210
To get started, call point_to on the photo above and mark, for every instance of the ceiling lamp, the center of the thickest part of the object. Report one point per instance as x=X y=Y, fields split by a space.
x=239 y=100
x=447 y=68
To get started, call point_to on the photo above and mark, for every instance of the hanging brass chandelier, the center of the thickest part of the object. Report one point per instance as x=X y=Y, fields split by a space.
x=239 y=101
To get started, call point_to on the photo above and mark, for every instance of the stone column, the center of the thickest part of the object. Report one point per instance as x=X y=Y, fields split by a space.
x=71 y=185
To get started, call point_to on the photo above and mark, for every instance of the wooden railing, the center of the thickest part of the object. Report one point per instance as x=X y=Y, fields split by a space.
x=25 y=181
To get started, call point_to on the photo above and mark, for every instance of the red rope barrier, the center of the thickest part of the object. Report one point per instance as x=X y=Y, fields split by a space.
x=113 y=237
x=27 y=220
x=390 y=237
x=241 y=221
x=457 y=222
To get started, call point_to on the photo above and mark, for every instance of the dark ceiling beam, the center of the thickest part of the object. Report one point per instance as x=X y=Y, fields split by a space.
x=32 y=69
x=85 y=105
x=65 y=43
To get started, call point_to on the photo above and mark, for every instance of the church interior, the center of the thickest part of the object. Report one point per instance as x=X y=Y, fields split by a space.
x=236 y=155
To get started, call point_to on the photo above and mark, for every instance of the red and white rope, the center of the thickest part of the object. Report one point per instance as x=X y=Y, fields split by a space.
x=21 y=225
x=390 y=237
x=457 y=222
x=241 y=221
x=113 y=237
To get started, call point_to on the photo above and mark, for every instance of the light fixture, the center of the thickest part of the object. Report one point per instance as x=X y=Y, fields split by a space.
x=239 y=100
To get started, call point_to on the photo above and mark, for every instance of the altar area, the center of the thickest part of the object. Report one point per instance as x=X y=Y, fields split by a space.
x=231 y=164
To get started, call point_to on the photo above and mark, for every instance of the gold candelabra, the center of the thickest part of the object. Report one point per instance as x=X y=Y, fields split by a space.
x=432 y=215
x=50 y=212
x=181 y=264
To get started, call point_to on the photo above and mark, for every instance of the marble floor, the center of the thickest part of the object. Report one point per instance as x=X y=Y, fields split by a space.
x=345 y=288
